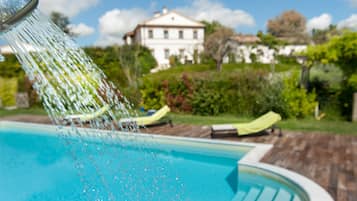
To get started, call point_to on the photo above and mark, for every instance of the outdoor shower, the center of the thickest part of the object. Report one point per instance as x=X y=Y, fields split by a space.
x=13 y=11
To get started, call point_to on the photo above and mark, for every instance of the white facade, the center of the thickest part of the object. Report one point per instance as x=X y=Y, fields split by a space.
x=169 y=34
x=263 y=53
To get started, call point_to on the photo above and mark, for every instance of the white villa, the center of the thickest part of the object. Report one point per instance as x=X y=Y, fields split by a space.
x=169 y=33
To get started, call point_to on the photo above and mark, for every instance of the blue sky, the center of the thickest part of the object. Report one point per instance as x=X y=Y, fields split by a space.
x=102 y=22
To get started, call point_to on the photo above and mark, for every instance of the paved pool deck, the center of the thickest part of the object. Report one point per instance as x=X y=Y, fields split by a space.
x=329 y=160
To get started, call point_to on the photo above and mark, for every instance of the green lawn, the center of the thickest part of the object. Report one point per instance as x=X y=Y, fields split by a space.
x=33 y=111
x=309 y=125
x=193 y=68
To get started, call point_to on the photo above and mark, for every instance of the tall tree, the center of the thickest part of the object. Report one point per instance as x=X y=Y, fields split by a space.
x=290 y=25
x=323 y=36
x=218 y=44
x=211 y=27
x=135 y=60
x=61 y=21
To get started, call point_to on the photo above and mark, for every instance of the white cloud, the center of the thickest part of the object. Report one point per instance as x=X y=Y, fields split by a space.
x=81 y=29
x=321 y=22
x=115 y=23
x=209 y=10
x=350 y=23
x=69 y=8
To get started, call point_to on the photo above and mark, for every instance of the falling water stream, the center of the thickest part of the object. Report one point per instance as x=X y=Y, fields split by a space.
x=66 y=79
x=70 y=85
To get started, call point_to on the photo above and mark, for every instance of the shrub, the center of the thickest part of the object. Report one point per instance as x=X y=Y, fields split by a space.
x=345 y=98
x=174 y=61
x=300 y=103
x=10 y=67
x=232 y=58
x=206 y=101
x=244 y=92
x=272 y=100
x=326 y=81
x=253 y=57
x=146 y=60
x=8 y=91
x=330 y=74
x=352 y=82
x=283 y=59
x=152 y=95
x=178 y=93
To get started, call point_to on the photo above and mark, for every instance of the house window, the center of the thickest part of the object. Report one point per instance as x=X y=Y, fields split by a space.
x=151 y=34
x=166 y=34
x=195 y=34
x=182 y=53
x=167 y=53
x=180 y=34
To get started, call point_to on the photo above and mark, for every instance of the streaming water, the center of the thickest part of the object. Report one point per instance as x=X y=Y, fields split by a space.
x=67 y=80
x=75 y=92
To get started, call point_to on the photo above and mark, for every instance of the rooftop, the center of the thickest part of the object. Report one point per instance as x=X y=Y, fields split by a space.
x=167 y=18
x=240 y=38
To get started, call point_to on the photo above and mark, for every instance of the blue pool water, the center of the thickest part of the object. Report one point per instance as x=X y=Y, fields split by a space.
x=39 y=167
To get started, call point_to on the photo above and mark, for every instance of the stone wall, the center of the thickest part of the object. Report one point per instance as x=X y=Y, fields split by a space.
x=22 y=100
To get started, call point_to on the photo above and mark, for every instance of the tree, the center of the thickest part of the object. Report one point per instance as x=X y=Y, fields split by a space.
x=323 y=36
x=218 y=44
x=269 y=40
x=108 y=61
x=290 y=25
x=135 y=61
x=340 y=50
x=61 y=21
x=211 y=27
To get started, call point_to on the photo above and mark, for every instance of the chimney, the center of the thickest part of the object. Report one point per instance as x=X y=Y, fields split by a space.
x=165 y=10
x=157 y=14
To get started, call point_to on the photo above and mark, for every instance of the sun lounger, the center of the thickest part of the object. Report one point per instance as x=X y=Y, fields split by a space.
x=260 y=125
x=158 y=118
x=86 y=117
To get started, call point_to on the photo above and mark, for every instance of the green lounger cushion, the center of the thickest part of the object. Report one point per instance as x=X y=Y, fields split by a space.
x=147 y=120
x=258 y=125
x=262 y=123
x=90 y=116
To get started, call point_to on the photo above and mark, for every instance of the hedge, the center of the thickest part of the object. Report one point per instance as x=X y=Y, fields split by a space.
x=244 y=93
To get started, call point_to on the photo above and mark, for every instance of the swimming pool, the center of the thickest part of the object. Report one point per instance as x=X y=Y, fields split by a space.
x=36 y=164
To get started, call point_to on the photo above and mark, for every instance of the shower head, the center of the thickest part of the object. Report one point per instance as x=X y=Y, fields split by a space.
x=13 y=11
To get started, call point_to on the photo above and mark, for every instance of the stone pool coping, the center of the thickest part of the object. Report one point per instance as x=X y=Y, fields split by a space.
x=254 y=153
